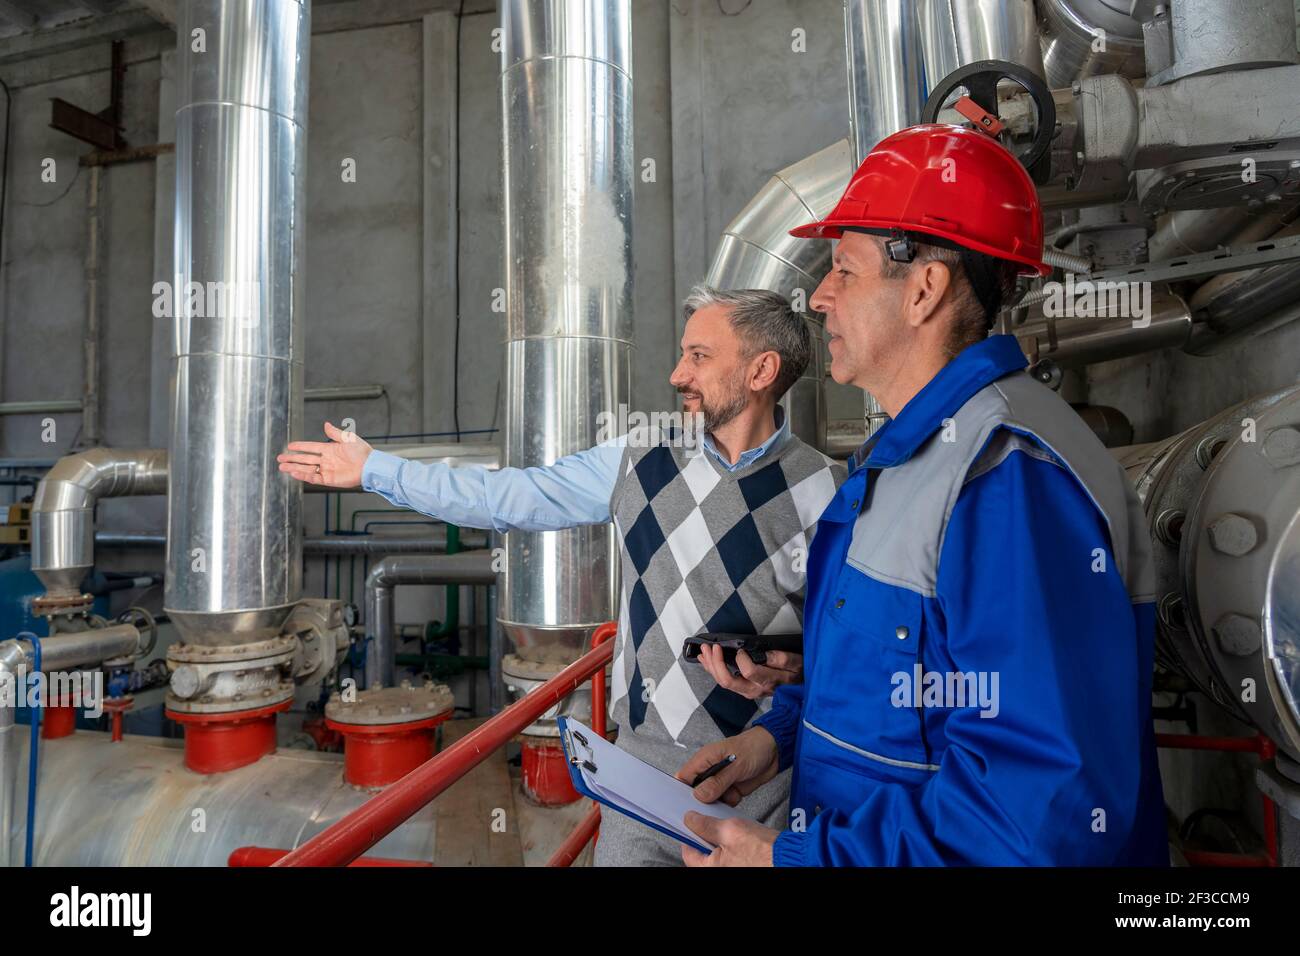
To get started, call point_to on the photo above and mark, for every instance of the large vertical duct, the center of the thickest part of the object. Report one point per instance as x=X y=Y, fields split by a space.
x=957 y=32
x=887 y=82
x=234 y=521
x=896 y=51
x=566 y=95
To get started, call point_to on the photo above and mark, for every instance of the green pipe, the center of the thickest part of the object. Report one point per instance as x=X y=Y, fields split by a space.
x=419 y=660
x=442 y=665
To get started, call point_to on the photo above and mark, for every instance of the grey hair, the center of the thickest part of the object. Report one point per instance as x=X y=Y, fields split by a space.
x=765 y=322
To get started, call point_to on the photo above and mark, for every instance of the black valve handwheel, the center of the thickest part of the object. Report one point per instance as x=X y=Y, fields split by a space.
x=981 y=79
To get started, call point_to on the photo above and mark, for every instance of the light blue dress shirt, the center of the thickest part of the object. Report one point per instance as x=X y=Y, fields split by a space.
x=575 y=490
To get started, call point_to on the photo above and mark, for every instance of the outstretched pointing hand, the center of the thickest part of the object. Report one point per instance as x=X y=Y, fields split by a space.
x=336 y=463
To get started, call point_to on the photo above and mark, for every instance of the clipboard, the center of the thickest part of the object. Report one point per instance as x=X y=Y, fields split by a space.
x=654 y=796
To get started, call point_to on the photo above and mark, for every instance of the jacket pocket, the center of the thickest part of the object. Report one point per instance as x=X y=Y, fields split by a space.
x=860 y=699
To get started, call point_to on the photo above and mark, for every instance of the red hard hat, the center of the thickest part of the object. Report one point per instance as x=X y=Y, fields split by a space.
x=982 y=200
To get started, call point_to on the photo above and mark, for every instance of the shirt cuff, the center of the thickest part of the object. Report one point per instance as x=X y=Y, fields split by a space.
x=790 y=849
x=379 y=473
x=781 y=723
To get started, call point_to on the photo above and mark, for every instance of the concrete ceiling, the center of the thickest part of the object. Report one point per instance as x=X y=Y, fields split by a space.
x=33 y=27
x=29 y=16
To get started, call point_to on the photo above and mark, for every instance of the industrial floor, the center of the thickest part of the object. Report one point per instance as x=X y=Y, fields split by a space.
x=532 y=833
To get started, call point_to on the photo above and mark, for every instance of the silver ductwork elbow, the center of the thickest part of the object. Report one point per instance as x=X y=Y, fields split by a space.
x=1083 y=38
x=757 y=252
x=63 y=512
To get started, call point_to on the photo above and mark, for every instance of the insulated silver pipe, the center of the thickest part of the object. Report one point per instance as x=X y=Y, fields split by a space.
x=1073 y=31
x=887 y=82
x=39 y=407
x=898 y=50
x=758 y=252
x=63 y=511
x=887 y=89
x=434 y=543
x=70 y=649
x=342 y=393
x=954 y=33
x=234 y=521
x=1211 y=36
x=1083 y=340
x=1235 y=301
x=470 y=567
x=566 y=96
x=11 y=664
x=58 y=653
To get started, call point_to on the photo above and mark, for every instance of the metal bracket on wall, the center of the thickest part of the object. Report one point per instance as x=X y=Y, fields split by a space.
x=1226 y=259
x=100 y=129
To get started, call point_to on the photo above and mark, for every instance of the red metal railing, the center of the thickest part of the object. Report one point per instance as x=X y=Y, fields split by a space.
x=343 y=842
x=266 y=856
x=589 y=827
x=1266 y=750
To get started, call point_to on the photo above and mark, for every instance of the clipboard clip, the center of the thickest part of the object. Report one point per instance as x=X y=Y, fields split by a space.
x=576 y=760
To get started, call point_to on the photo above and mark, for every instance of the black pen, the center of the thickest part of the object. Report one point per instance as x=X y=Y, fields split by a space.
x=724 y=762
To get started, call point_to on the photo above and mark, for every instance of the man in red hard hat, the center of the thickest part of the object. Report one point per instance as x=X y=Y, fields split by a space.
x=979 y=621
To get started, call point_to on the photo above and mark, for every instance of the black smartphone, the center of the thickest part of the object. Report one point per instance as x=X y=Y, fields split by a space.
x=755 y=645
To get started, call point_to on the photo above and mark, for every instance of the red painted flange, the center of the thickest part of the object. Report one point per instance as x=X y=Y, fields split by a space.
x=375 y=755
x=58 y=720
x=546 y=779
x=218 y=742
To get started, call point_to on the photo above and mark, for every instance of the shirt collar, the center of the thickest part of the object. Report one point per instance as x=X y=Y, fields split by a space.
x=975 y=366
x=752 y=455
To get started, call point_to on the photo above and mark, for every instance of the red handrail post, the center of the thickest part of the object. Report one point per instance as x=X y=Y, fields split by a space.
x=576 y=841
x=588 y=828
x=599 y=708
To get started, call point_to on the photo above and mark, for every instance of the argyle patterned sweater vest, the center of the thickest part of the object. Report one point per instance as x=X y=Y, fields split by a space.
x=705 y=551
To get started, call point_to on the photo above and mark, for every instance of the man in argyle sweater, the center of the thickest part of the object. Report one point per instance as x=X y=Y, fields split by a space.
x=713 y=535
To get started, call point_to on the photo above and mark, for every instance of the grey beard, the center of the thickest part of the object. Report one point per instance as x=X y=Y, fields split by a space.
x=716 y=417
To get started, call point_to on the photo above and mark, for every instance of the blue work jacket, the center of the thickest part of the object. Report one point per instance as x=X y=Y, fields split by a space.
x=978 y=643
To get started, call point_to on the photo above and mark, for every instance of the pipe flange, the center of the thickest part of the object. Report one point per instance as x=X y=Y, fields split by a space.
x=382 y=706
x=1240 y=558
x=1170 y=477
x=71 y=603
x=522 y=676
x=231 y=653
x=528 y=670
x=1215 y=181
x=228 y=697
x=217 y=680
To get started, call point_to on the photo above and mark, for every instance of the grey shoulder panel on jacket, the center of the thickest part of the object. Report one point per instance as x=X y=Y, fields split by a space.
x=900 y=537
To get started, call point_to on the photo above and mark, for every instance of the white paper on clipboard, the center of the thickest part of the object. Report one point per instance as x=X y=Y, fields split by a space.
x=634 y=787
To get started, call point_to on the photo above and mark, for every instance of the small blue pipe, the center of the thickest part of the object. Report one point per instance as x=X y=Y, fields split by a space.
x=35 y=744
